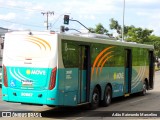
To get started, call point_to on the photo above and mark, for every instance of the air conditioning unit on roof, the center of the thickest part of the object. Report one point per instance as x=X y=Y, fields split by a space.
x=94 y=35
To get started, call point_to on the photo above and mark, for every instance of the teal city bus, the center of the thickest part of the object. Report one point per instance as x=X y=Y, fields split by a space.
x=58 y=69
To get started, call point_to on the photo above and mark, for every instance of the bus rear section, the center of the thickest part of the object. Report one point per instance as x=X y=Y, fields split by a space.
x=30 y=68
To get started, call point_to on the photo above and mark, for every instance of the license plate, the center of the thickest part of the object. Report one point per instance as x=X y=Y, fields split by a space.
x=29 y=83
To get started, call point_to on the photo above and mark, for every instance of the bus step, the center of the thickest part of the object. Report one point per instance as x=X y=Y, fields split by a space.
x=126 y=95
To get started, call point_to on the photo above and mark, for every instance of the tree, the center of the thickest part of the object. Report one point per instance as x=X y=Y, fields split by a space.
x=155 y=40
x=131 y=33
x=114 y=25
x=138 y=35
x=99 y=29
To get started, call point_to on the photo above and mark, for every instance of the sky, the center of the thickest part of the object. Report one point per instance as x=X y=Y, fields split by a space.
x=27 y=14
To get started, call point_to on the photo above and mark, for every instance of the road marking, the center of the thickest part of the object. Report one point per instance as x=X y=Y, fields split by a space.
x=138 y=100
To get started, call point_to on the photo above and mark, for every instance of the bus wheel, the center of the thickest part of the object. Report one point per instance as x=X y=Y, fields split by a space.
x=107 y=96
x=95 y=99
x=144 y=90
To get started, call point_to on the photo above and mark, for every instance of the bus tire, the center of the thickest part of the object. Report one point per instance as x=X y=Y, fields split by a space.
x=144 y=89
x=95 y=99
x=107 y=96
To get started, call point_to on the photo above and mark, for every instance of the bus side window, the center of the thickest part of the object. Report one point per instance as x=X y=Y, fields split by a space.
x=70 y=54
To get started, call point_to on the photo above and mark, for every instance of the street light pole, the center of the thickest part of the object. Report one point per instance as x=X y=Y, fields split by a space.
x=123 y=20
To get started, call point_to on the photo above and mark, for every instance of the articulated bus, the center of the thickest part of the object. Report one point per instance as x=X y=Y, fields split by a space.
x=57 y=69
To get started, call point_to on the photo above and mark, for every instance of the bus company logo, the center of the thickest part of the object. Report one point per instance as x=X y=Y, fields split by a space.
x=35 y=72
x=118 y=75
x=28 y=72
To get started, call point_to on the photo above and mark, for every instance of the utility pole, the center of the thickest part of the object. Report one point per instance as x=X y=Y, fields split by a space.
x=47 y=14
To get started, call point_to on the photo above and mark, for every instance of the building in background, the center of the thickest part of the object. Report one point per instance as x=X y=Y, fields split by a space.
x=2 y=33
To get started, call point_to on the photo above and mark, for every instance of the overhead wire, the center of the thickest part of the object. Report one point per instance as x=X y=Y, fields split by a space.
x=24 y=9
x=20 y=23
x=20 y=8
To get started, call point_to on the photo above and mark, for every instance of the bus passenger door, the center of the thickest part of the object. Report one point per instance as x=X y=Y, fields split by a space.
x=128 y=72
x=84 y=74
x=151 y=69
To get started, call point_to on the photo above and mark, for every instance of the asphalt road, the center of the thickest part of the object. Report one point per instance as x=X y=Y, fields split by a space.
x=136 y=103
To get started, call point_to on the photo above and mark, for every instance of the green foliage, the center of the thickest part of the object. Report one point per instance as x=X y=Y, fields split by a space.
x=114 y=25
x=138 y=35
x=131 y=33
x=156 y=41
x=100 y=29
